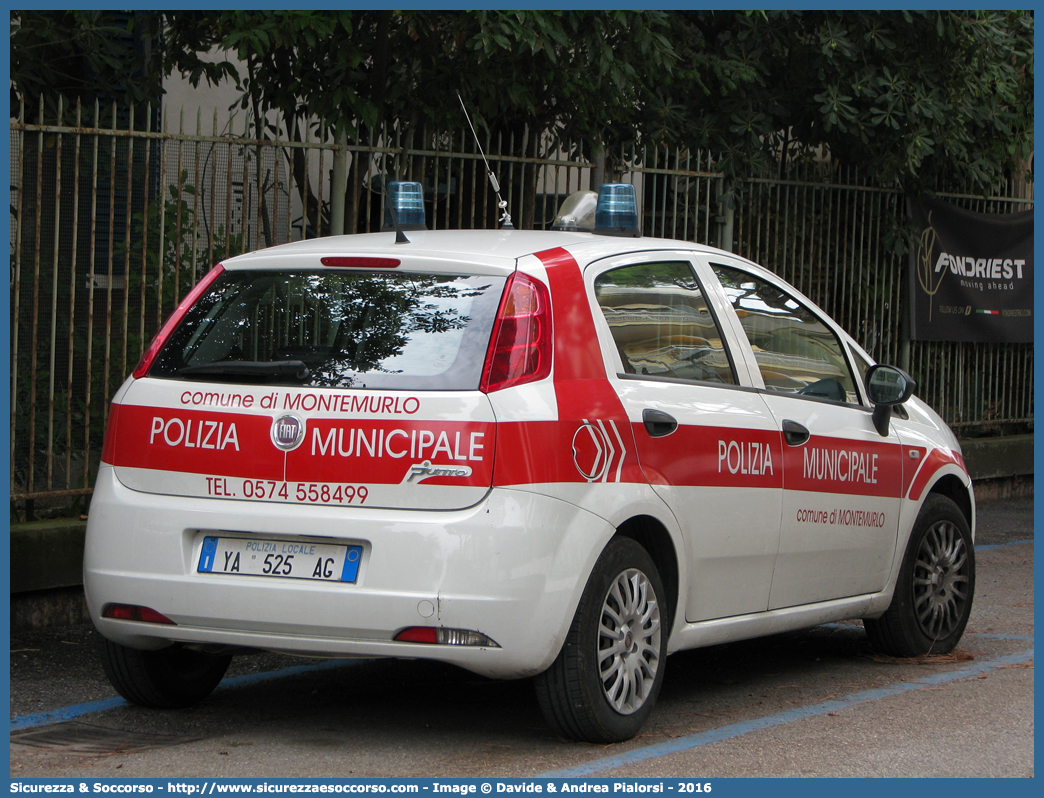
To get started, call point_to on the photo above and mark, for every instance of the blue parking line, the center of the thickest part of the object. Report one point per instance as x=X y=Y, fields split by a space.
x=791 y=715
x=1004 y=545
x=65 y=713
x=992 y=636
x=79 y=710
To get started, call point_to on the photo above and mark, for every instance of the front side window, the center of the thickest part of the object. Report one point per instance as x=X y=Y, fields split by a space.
x=661 y=324
x=337 y=328
x=795 y=351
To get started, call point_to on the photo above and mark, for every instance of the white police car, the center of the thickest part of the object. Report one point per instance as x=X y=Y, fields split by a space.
x=553 y=454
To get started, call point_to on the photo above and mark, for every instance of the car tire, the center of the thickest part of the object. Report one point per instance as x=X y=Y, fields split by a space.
x=603 y=685
x=933 y=595
x=169 y=678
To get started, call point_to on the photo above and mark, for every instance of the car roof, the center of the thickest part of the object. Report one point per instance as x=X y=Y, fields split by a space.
x=494 y=248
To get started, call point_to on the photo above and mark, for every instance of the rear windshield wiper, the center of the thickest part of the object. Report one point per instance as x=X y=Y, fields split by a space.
x=294 y=369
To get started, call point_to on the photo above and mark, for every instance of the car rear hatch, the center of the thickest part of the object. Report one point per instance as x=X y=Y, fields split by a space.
x=332 y=379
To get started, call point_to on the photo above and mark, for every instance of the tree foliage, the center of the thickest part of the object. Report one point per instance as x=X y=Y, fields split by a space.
x=581 y=72
x=910 y=97
x=103 y=55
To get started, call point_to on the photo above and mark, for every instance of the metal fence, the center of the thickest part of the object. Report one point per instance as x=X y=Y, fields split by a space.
x=830 y=235
x=114 y=215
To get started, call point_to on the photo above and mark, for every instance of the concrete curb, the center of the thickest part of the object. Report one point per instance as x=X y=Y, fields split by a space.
x=47 y=555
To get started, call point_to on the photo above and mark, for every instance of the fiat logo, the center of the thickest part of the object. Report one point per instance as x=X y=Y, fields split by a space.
x=288 y=432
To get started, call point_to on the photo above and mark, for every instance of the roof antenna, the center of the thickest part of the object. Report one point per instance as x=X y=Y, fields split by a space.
x=400 y=237
x=505 y=218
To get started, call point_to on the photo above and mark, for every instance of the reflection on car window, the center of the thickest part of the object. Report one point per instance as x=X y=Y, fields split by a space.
x=661 y=323
x=795 y=351
x=350 y=329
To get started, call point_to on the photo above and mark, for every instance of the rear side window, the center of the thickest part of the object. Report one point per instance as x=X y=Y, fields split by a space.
x=661 y=324
x=332 y=328
x=795 y=351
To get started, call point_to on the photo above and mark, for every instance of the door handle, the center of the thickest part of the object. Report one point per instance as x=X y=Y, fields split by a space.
x=795 y=434
x=657 y=423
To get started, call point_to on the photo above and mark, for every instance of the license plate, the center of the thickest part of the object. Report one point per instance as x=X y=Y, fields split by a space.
x=279 y=558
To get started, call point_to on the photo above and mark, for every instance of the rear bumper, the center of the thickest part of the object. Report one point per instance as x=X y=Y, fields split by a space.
x=512 y=567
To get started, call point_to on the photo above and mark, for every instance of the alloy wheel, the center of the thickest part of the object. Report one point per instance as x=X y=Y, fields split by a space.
x=940 y=583
x=629 y=641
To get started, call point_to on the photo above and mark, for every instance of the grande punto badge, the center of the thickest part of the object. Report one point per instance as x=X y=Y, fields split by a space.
x=288 y=432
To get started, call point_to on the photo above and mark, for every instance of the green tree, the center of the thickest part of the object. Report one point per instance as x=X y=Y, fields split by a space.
x=915 y=99
x=578 y=74
x=105 y=55
x=307 y=66
x=563 y=76
x=910 y=97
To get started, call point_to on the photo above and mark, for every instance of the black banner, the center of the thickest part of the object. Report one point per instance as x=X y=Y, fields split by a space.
x=971 y=274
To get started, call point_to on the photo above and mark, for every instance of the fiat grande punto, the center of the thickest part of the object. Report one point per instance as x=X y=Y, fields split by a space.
x=554 y=454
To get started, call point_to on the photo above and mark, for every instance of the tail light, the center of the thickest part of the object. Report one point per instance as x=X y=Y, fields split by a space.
x=133 y=612
x=445 y=637
x=520 y=349
x=174 y=320
x=339 y=262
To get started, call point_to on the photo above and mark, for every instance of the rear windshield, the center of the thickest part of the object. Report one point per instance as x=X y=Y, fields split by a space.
x=337 y=329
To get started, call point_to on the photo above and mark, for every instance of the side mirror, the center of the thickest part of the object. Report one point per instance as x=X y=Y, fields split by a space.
x=887 y=386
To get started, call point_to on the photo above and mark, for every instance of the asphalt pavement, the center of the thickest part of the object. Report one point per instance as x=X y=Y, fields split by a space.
x=815 y=703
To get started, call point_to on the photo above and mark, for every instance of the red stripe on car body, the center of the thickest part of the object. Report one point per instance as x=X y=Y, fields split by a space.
x=197 y=442
x=591 y=439
x=381 y=452
x=109 y=446
x=939 y=458
x=841 y=465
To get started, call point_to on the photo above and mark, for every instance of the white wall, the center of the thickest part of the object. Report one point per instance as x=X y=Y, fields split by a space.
x=184 y=102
